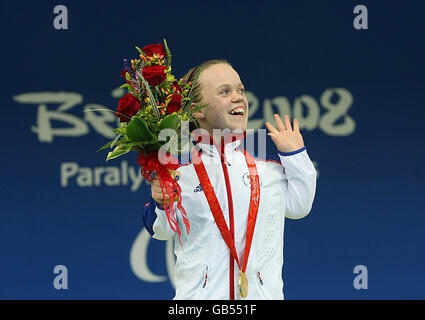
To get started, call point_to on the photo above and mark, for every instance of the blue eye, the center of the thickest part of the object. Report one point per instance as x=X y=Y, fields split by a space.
x=224 y=91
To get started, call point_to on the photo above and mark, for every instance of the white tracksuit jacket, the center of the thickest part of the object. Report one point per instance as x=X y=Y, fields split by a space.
x=203 y=269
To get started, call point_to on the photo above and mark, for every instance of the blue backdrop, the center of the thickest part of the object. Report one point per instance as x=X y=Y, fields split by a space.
x=359 y=95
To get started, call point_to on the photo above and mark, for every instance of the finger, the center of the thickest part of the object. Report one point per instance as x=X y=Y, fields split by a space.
x=157 y=190
x=279 y=123
x=271 y=128
x=156 y=186
x=296 y=125
x=155 y=183
x=288 y=123
x=159 y=197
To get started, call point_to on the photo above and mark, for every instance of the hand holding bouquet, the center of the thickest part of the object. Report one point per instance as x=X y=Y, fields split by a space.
x=155 y=101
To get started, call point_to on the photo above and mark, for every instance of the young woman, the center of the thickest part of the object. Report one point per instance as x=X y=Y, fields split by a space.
x=236 y=204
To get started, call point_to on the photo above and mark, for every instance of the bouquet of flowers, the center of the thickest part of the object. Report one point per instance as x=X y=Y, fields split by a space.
x=155 y=101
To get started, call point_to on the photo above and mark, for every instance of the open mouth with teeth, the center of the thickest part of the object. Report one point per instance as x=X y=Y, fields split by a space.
x=238 y=111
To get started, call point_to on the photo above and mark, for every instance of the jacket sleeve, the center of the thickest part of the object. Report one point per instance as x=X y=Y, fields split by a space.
x=300 y=182
x=155 y=220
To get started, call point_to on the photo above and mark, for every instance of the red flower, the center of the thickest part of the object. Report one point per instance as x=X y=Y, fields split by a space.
x=127 y=107
x=154 y=48
x=175 y=103
x=154 y=75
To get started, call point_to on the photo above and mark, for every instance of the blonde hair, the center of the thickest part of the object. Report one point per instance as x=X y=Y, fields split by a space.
x=196 y=91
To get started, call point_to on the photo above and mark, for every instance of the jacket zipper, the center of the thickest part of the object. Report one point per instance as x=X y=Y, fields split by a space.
x=231 y=222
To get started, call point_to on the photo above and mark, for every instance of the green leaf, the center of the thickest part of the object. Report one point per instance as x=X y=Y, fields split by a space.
x=137 y=130
x=116 y=139
x=170 y=121
x=133 y=144
x=118 y=151
x=197 y=108
x=170 y=78
x=168 y=53
x=140 y=50
x=128 y=86
x=127 y=76
x=119 y=130
x=151 y=96
x=152 y=146
x=105 y=146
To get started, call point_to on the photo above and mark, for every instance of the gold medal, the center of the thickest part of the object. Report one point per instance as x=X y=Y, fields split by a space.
x=243 y=284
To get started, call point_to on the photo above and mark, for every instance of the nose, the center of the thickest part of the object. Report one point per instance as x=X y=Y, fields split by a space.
x=237 y=97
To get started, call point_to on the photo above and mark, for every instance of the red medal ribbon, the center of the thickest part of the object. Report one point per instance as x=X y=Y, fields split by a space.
x=218 y=213
x=150 y=163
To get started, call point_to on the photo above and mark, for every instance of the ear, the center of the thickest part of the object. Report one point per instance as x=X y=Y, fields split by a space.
x=198 y=115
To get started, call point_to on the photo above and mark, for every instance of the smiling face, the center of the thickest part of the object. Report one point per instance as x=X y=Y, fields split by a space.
x=223 y=91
